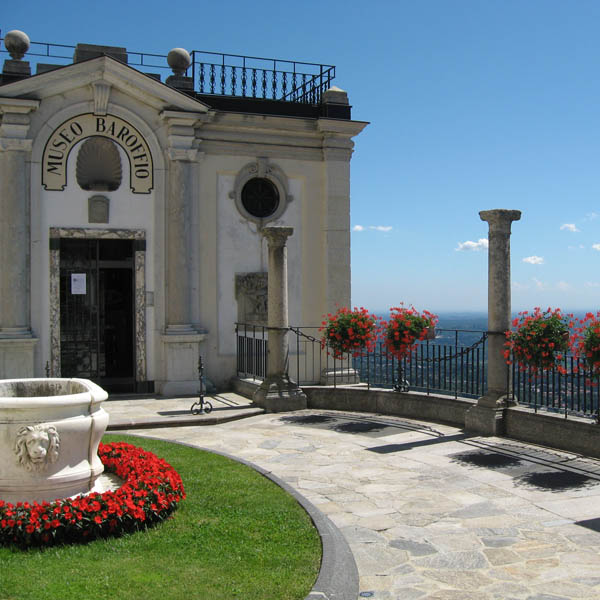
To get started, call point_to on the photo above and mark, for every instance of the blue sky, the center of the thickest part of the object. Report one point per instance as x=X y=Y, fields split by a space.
x=473 y=105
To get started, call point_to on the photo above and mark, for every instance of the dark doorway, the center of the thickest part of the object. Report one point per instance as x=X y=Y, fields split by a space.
x=97 y=325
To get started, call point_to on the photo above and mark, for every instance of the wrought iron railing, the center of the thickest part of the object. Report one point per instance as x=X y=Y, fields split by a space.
x=452 y=364
x=255 y=77
x=215 y=73
x=455 y=363
x=577 y=393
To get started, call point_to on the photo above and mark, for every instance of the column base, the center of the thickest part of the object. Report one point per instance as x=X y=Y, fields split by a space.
x=485 y=420
x=182 y=348
x=278 y=394
x=16 y=356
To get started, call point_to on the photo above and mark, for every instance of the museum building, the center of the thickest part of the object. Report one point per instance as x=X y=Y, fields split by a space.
x=131 y=208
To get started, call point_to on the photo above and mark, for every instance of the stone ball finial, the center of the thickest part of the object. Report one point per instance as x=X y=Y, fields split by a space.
x=17 y=43
x=179 y=60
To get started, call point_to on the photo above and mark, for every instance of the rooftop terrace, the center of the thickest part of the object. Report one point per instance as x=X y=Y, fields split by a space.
x=228 y=82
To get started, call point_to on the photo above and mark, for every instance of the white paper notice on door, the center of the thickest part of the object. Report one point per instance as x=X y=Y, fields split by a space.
x=78 y=283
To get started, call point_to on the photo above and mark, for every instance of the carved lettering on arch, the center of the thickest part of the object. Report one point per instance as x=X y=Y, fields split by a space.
x=76 y=129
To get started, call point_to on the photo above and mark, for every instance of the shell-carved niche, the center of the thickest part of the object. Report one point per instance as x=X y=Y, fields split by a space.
x=99 y=165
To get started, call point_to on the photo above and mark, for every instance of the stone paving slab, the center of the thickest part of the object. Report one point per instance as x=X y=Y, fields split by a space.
x=132 y=413
x=438 y=515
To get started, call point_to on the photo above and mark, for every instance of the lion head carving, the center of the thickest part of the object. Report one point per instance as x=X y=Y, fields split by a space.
x=36 y=446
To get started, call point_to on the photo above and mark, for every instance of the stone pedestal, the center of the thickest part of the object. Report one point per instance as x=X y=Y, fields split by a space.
x=487 y=417
x=16 y=357
x=278 y=392
x=181 y=353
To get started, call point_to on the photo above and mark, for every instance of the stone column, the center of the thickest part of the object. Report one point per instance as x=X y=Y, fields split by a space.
x=181 y=338
x=16 y=339
x=487 y=416
x=278 y=392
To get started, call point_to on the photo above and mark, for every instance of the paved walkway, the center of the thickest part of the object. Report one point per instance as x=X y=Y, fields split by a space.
x=428 y=512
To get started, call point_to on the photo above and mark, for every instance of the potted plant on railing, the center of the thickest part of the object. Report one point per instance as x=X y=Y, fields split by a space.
x=405 y=327
x=588 y=343
x=539 y=340
x=349 y=331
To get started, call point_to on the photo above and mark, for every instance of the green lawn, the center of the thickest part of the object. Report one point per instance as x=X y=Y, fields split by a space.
x=236 y=536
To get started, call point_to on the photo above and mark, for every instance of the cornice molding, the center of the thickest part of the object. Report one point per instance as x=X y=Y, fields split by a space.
x=103 y=68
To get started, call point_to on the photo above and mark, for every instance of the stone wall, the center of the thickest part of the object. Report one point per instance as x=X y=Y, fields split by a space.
x=574 y=434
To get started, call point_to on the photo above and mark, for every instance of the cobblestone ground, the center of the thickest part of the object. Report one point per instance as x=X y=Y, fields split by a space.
x=429 y=512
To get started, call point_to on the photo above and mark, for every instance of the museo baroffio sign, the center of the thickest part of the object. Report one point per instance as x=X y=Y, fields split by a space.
x=76 y=129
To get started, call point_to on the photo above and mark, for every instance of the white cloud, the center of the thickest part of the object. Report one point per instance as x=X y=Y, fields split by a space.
x=473 y=246
x=358 y=228
x=596 y=247
x=592 y=284
x=534 y=260
x=519 y=286
x=591 y=216
x=569 y=227
x=381 y=227
x=563 y=286
x=540 y=285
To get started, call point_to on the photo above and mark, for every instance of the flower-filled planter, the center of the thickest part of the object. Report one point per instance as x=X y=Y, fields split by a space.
x=539 y=340
x=405 y=327
x=349 y=331
x=150 y=492
x=588 y=342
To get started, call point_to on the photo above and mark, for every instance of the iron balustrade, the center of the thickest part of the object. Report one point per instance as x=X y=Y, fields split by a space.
x=575 y=393
x=215 y=73
x=255 y=77
x=452 y=364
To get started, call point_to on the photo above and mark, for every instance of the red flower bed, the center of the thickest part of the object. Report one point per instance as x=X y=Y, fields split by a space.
x=150 y=492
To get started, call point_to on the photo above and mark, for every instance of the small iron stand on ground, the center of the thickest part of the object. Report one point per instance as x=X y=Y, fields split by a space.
x=201 y=405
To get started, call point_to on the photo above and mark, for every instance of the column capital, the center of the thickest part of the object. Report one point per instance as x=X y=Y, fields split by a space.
x=17 y=105
x=277 y=235
x=184 y=154
x=15 y=144
x=500 y=219
x=181 y=134
x=14 y=126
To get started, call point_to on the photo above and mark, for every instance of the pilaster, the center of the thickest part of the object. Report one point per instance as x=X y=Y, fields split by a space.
x=16 y=339
x=337 y=150
x=181 y=338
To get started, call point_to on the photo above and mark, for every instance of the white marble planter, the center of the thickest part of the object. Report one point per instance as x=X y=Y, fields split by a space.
x=49 y=435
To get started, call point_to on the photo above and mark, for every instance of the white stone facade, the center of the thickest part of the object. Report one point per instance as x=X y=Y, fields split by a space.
x=191 y=239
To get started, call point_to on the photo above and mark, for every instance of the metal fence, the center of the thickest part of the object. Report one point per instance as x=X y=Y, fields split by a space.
x=577 y=393
x=454 y=363
x=215 y=73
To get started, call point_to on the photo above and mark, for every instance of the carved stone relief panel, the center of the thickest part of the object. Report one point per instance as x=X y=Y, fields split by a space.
x=251 y=292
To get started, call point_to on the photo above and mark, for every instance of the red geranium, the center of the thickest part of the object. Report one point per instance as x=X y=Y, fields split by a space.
x=349 y=331
x=405 y=327
x=539 y=340
x=97 y=515
x=587 y=342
